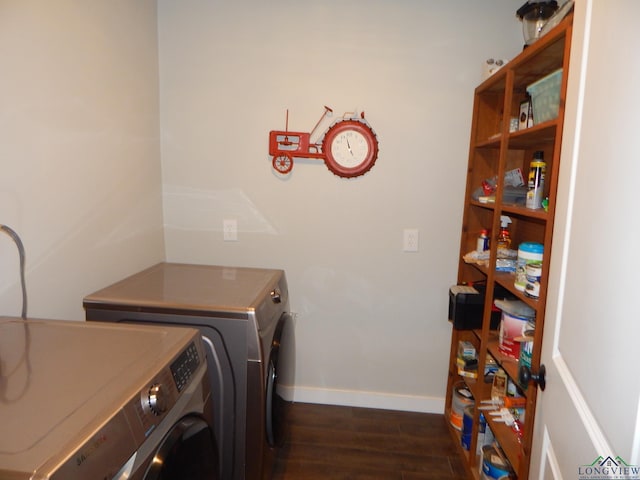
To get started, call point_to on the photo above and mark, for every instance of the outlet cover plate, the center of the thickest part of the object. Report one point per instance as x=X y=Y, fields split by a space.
x=411 y=240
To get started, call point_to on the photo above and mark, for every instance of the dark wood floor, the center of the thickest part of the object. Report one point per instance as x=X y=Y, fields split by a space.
x=345 y=443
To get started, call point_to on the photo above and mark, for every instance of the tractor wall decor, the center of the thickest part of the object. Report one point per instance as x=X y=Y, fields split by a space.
x=349 y=147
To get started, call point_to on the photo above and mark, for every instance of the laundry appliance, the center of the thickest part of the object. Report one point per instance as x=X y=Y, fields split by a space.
x=247 y=329
x=85 y=401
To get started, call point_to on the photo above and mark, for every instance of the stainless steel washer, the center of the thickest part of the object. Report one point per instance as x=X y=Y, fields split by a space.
x=243 y=316
x=96 y=401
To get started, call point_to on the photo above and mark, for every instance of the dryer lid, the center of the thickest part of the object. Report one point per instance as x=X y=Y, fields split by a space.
x=186 y=287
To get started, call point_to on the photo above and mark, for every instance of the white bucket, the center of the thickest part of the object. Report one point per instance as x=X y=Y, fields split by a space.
x=511 y=327
x=461 y=399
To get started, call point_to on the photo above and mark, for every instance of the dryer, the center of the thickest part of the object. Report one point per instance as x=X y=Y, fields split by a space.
x=91 y=401
x=247 y=329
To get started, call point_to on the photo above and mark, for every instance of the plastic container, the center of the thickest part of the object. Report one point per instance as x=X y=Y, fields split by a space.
x=461 y=399
x=545 y=97
x=511 y=329
x=467 y=427
x=515 y=317
x=526 y=346
x=482 y=243
x=528 y=252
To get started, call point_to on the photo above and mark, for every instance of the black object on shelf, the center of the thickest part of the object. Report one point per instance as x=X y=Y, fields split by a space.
x=466 y=304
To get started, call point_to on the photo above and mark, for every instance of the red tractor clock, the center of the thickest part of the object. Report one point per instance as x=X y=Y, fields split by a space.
x=349 y=147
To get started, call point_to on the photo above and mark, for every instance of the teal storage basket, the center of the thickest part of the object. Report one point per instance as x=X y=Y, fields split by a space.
x=545 y=97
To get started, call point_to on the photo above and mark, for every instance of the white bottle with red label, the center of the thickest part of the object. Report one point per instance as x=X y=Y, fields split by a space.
x=483 y=241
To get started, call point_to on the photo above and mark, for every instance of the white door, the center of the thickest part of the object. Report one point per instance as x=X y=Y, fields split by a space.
x=588 y=418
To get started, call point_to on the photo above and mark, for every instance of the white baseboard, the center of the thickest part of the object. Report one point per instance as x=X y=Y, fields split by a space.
x=355 y=398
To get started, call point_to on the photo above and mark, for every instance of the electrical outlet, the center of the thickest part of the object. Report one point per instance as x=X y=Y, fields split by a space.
x=230 y=229
x=411 y=240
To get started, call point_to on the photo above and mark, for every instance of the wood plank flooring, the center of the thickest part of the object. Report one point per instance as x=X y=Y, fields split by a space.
x=345 y=443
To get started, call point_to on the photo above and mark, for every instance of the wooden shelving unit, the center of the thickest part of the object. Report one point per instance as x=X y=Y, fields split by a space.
x=493 y=151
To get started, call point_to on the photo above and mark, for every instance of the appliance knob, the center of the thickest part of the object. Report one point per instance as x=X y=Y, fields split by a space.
x=276 y=296
x=157 y=399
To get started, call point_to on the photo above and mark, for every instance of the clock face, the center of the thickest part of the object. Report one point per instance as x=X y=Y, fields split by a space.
x=351 y=148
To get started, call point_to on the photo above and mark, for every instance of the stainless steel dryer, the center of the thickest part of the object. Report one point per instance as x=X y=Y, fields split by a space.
x=243 y=315
x=90 y=401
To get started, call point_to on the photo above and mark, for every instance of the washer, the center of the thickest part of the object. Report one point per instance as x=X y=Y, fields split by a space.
x=96 y=401
x=243 y=316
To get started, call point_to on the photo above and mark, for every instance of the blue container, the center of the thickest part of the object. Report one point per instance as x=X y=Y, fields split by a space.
x=491 y=469
x=467 y=427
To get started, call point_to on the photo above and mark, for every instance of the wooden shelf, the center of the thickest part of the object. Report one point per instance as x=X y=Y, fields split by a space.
x=493 y=151
x=521 y=211
x=534 y=136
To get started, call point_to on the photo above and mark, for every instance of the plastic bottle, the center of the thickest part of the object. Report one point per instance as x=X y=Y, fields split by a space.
x=535 y=185
x=504 y=239
x=483 y=241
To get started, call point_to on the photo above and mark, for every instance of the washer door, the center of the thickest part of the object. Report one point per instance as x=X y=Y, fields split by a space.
x=187 y=452
x=280 y=378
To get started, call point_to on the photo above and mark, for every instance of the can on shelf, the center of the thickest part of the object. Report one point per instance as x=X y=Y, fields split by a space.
x=462 y=398
x=467 y=426
x=528 y=253
x=494 y=465
x=537 y=170
x=533 y=272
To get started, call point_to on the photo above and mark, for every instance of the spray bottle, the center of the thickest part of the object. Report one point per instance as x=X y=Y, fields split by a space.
x=504 y=239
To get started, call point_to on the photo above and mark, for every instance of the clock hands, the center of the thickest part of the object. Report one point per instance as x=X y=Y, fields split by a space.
x=349 y=147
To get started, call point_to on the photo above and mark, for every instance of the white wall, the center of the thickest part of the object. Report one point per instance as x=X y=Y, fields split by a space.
x=79 y=150
x=81 y=180
x=371 y=319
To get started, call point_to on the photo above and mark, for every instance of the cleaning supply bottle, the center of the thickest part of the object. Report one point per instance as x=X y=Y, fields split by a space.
x=483 y=241
x=504 y=239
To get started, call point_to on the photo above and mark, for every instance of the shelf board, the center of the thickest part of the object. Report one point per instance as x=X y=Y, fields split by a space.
x=539 y=215
x=488 y=206
x=508 y=441
x=508 y=364
x=525 y=212
x=493 y=84
x=535 y=136
x=491 y=142
x=506 y=279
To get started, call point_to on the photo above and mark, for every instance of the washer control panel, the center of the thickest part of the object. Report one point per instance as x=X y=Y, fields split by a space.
x=185 y=366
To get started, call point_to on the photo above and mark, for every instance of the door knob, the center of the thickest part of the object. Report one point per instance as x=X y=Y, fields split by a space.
x=525 y=375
